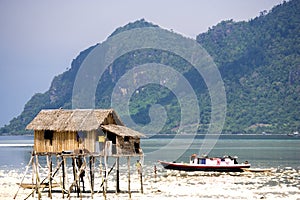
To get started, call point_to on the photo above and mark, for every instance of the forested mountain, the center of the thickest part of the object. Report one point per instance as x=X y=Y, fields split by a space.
x=259 y=62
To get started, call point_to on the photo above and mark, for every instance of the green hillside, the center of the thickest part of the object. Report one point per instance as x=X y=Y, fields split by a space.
x=260 y=64
x=258 y=60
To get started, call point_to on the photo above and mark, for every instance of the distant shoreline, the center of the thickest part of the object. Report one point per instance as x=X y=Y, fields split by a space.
x=227 y=136
x=201 y=136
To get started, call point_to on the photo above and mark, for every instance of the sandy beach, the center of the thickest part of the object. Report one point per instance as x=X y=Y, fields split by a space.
x=277 y=184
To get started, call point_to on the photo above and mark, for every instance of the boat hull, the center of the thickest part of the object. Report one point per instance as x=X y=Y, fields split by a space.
x=203 y=167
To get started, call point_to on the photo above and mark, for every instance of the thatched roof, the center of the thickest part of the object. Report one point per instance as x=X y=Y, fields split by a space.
x=72 y=120
x=122 y=131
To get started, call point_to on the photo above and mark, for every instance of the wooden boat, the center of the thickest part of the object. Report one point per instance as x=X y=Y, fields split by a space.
x=257 y=170
x=294 y=134
x=204 y=163
x=31 y=186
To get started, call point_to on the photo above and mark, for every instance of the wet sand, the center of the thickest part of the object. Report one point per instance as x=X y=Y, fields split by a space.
x=277 y=184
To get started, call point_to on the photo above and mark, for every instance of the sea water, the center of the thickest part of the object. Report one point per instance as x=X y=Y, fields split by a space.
x=262 y=152
x=265 y=152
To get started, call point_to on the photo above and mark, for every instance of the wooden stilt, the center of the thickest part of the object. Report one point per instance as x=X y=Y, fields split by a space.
x=37 y=177
x=81 y=162
x=75 y=177
x=90 y=176
x=49 y=164
x=141 y=179
x=55 y=171
x=74 y=172
x=106 y=173
x=92 y=166
x=33 y=179
x=155 y=173
x=81 y=173
x=82 y=169
x=51 y=173
x=27 y=167
x=63 y=165
x=101 y=172
x=80 y=166
x=33 y=175
x=118 y=175
x=128 y=164
x=140 y=171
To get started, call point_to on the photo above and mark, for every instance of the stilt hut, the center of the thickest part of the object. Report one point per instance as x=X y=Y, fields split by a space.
x=92 y=131
x=77 y=135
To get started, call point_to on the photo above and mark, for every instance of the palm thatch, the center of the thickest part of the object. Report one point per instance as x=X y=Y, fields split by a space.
x=122 y=131
x=73 y=120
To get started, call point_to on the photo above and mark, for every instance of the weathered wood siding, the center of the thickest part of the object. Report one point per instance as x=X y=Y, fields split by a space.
x=127 y=147
x=63 y=141
x=88 y=143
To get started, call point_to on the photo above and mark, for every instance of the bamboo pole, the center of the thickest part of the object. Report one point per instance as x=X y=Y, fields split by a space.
x=34 y=188
x=33 y=176
x=82 y=161
x=89 y=176
x=118 y=175
x=128 y=164
x=106 y=173
x=101 y=172
x=77 y=178
x=26 y=170
x=73 y=170
x=49 y=164
x=140 y=173
x=51 y=172
x=109 y=172
x=155 y=173
x=82 y=168
x=37 y=177
x=33 y=179
x=81 y=174
x=141 y=181
x=92 y=166
x=63 y=166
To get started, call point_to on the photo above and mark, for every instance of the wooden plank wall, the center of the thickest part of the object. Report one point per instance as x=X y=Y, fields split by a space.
x=39 y=145
x=61 y=141
x=64 y=141
x=126 y=148
x=89 y=141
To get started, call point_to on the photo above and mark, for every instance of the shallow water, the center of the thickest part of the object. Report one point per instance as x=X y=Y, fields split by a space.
x=283 y=182
x=264 y=152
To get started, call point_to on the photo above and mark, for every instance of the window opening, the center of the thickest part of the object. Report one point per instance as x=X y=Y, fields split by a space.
x=48 y=135
x=126 y=139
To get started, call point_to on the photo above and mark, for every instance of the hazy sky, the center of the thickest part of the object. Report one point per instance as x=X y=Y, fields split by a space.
x=39 y=38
